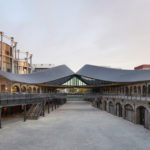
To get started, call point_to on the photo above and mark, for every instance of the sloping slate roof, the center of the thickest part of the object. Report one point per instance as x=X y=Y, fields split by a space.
x=52 y=74
x=114 y=75
x=61 y=74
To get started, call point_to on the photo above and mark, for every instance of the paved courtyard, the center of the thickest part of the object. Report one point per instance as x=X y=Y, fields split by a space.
x=75 y=126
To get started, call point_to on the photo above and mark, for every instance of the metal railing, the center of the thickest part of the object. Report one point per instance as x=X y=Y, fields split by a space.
x=128 y=97
x=20 y=99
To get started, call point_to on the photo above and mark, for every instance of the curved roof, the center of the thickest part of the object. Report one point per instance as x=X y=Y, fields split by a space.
x=47 y=75
x=114 y=75
x=89 y=74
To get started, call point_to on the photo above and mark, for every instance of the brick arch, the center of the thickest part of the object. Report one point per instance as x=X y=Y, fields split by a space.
x=111 y=106
x=119 y=101
x=140 y=105
x=129 y=104
x=119 y=108
x=111 y=100
x=142 y=115
x=34 y=89
x=24 y=85
x=25 y=88
x=16 y=84
x=105 y=103
x=106 y=99
x=16 y=87
x=129 y=112
x=29 y=89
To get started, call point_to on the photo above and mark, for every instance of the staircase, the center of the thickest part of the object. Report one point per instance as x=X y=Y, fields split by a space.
x=35 y=111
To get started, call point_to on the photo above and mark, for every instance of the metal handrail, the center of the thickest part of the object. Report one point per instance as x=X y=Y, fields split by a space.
x=10 y=99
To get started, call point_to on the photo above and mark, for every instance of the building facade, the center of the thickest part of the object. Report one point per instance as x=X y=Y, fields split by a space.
x=124 y=93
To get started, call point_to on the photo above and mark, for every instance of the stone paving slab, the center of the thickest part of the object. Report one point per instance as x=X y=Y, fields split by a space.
x=75 y=126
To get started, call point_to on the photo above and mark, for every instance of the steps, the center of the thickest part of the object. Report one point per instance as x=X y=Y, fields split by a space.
x=35 y=111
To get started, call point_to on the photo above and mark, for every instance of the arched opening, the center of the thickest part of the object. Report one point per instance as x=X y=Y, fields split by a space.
x=118 y=110
x=111 y=108
x=129 y=113
x=15 y=89
x=23 y=89
x=29 y=90
x=34 y=90
x=105 y=105
x=142 y=116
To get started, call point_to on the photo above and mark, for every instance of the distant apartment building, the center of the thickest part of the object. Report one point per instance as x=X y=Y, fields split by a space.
x=11 y=59
x=41 y=67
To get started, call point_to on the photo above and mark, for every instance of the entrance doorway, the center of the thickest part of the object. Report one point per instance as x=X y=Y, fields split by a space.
x=118 y=110
x=129 y=113
x=111 y=108
x=141 y=113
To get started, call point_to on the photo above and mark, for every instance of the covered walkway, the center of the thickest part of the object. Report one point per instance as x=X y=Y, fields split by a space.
x=75 y=126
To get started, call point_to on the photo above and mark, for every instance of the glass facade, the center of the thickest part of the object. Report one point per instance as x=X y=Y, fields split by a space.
x=74 y=82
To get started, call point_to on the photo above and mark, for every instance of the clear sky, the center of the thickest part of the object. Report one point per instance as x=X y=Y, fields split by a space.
x=114 y=33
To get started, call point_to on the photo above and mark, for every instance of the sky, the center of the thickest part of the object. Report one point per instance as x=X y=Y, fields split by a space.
x=112 y=33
